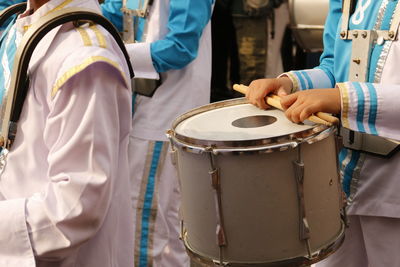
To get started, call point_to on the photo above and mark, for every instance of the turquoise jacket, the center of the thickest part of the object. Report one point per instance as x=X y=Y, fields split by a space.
x=186 y=22
x=362 y=102
x=7 y=3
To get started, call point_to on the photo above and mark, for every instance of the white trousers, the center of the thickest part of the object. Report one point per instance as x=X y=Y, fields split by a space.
x=156 y=201
x=369 y=242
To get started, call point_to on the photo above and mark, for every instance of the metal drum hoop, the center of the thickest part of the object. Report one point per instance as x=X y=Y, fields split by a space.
x=278 y=143
x=317 y=256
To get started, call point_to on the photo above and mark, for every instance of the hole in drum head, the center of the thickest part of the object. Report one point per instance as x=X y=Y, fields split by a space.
x=254 y=121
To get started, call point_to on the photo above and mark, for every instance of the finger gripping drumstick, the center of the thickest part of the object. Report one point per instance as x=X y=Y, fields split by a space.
x=275 y=101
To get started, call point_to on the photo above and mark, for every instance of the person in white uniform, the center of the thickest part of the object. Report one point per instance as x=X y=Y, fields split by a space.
x=368 y=104
x=64 y=189
x=175 y=44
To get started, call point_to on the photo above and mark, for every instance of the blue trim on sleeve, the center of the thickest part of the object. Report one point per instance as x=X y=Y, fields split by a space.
x=308 y=78
x=373 y=109
x=300 y=77
x=361 y=107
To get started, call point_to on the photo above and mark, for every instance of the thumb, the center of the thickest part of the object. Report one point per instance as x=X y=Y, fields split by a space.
x=281 y=92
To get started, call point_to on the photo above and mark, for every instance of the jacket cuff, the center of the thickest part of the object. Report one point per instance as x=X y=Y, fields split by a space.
x=141 y=60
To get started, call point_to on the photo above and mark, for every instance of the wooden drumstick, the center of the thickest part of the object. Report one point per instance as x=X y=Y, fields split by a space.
x=322 y=115
x=275 y=101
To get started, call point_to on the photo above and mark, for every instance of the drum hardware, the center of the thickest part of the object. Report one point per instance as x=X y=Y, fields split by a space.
x=13 y=101
x=216 y=185
x=304 y=231
x=173 y=152
x=252 y=244
x=297 y=262
x=362 y=42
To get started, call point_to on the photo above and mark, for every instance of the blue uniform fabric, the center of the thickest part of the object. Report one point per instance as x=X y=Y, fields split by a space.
x=334 y=69
x=6 y=3
x=3 y=5
x=335 y=59
x=186 y=22
x=111 y=9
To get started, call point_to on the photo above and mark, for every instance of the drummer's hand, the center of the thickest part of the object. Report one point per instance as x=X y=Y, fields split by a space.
x=259 y=89
x=301 y=105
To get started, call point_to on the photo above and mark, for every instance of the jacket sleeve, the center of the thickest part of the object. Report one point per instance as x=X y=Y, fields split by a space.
x=81 y=133
x=371 y=108
x=111 y=9
x=179 y=47
x=186 y=22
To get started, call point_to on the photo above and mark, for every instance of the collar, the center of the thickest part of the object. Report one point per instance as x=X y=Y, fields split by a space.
x=27 y=19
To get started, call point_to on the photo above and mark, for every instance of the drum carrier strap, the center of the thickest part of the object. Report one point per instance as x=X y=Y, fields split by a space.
x=362 y=42
x=19 y=85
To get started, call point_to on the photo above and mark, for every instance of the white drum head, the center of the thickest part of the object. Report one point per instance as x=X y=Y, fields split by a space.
x=238 y=123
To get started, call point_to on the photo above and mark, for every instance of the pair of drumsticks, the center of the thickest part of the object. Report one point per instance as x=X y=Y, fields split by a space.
x=275 y=101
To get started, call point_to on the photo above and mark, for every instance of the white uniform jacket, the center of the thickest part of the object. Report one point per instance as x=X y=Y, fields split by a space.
x=64 y=192
x=181 y=89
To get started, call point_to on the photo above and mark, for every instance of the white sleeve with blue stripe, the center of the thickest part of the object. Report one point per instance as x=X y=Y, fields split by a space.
x=371 y=108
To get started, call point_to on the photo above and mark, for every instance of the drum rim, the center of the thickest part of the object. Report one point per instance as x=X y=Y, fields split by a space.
x=316 y=133
x=317 y=256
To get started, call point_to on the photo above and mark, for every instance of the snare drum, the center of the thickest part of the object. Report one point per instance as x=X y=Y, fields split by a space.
x=307 y=19
x=256 y=188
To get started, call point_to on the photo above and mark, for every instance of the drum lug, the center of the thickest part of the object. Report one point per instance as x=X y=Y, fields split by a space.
x=182 y=230
x=173 y=151
x=216 y=185
x=215 y=179
x=174 y=156
x=304 y=228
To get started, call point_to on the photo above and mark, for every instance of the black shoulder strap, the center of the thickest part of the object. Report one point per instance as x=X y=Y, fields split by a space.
x=20 y=79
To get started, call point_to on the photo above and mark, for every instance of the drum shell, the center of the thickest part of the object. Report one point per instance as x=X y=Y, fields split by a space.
x=260 y=203
x=307 y=19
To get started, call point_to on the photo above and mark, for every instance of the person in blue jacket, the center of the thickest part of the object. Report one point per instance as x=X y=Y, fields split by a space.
x=173 y=44
x=368 y=104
